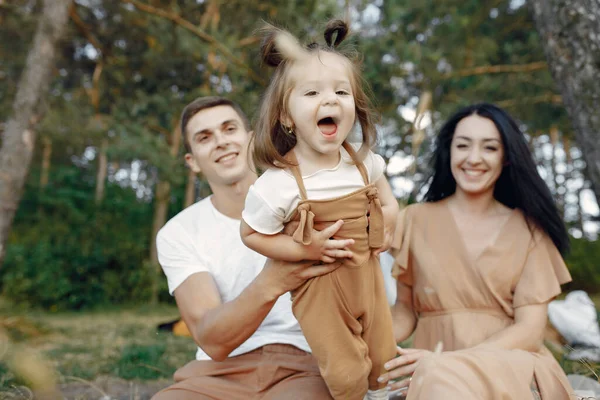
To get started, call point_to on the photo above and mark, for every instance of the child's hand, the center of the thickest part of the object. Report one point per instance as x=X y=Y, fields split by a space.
x=326 y=249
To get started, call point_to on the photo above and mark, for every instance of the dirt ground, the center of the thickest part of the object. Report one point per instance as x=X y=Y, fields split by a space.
x=103 y=388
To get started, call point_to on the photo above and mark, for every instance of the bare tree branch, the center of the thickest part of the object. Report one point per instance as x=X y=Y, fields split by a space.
x=84 y=29
x=498 y=69
x=177 y=19
x=544 y=98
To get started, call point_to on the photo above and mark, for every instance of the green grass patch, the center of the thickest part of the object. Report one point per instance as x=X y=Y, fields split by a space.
x=121 y=343
x=144 y=362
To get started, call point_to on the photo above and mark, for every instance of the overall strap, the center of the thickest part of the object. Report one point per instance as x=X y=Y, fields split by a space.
x=303 y=233
x=376 y=228
x=361 y=167
x=297 y=175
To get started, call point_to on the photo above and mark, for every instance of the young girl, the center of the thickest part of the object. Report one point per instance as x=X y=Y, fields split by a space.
x=314 y=176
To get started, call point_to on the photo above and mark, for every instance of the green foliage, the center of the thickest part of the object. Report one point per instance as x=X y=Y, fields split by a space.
x=66 y=253
x=584 y=265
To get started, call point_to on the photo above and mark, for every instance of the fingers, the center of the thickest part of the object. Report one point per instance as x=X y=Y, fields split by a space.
x=338 y=244
x=402 y=371
x=405 y=364
x=400 y=385
x=327 y=259
x=332 y=230
x=337 y=254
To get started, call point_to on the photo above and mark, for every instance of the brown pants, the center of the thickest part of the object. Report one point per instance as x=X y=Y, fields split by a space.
x=347 y=322
x=272 y=372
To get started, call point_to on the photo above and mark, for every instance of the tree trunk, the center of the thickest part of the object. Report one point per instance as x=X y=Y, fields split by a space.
x=19 y=139
x=46 y=155
x=102 y=171
x=558 y=196
x=162 y=195
x=570 y=33
x=190 y=189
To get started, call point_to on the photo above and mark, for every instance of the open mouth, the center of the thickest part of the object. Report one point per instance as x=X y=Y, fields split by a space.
x=473 y=172
x=226 y=157
x=327 y=126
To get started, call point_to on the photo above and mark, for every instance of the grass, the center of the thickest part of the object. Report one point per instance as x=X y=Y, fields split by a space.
x=121 y=343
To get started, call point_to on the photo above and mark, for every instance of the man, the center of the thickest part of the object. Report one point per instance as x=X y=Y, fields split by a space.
x=238 y=308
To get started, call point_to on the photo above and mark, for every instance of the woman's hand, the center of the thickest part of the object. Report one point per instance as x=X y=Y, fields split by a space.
x=402 y=366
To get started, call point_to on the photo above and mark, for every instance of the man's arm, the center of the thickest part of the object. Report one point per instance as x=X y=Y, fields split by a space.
x=219 y=328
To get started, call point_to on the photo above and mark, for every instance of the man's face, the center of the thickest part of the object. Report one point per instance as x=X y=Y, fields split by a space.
x=219 y=145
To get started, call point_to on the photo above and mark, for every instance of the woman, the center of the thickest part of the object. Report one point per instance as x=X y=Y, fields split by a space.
x=477 y=264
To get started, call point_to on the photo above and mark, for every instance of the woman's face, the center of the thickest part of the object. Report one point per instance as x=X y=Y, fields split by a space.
x=476 y=155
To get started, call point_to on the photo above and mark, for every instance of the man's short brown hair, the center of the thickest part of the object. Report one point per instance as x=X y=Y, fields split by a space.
x=203 y=103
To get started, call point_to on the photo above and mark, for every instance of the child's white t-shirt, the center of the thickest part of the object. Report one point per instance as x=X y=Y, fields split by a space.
x=201 y=239
x=272 y=199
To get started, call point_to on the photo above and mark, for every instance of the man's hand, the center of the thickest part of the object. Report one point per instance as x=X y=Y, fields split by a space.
x=279 y=277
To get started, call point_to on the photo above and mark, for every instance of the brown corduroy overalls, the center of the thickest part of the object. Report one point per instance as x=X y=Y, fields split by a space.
x=344 y=315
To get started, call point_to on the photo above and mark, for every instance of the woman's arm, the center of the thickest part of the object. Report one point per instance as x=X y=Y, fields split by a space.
x=390 y=209
x=527 y=333
x=283 y=247
x=403 y=315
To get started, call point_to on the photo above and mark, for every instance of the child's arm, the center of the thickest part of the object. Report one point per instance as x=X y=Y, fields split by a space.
x=283 y=247
x=390 y=209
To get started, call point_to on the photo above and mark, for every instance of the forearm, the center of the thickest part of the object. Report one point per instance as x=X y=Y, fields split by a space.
x=278 y=246
x=403 y=316
x=527 y=333
x=517 y=336
x=404 y=322
x=224 y=328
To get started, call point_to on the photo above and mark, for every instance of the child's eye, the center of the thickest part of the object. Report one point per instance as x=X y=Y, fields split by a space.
x=311 y=93
x=342 y=92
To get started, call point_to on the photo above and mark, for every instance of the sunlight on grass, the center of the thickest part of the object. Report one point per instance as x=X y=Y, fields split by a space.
x=118 y=343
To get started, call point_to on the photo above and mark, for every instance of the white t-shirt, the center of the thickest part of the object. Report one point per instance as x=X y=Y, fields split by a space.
x=201 y=239
x=272 y=199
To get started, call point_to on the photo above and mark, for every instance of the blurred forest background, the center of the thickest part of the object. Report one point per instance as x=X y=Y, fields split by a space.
x=106 y=167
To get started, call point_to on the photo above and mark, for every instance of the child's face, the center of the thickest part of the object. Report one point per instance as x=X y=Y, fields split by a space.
x=321 y=107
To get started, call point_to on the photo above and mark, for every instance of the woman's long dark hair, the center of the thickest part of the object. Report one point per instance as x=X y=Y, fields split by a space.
x=519 y=185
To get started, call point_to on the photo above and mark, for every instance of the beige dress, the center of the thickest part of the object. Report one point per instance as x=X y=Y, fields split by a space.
x=462 y=302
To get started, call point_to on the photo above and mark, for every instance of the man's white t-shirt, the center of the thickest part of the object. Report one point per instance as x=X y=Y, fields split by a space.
x=201 y=239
